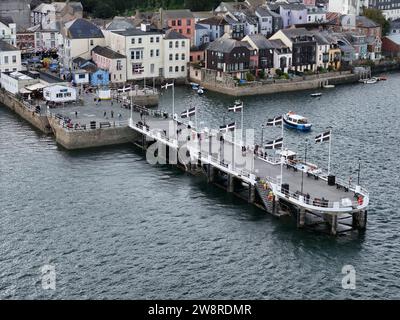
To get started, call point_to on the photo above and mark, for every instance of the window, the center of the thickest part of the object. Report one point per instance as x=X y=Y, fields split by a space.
x=170 y=44
x=14 y=59
x=188 y=22
x=152 y=68
x=119 y=65
x=176 y=44
x=170 y=57
x=183 y=43
x=173 y=23
x=157 y=52
x=157 y=39
x=82 y=76
x=183 y=68
x=5 y=59
x=176 y=69
x=170 y=69
x=179 y=22
x=133 y=41
x=139 y=40
x=91 y=42
x=151 y=53
x=151 y=39
x=136 y=54
x=183 y=56
x=188 y=31
x=177 y=56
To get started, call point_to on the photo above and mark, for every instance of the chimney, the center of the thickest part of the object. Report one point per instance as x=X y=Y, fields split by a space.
x=144 y=26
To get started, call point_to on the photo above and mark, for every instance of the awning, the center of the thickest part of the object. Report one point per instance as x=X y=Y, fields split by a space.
x=36 y=86
x=24 y=91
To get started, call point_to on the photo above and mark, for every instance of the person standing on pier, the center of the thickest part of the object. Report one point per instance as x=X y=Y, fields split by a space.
x=105 y=114
x=76 y=114
x=112 y=113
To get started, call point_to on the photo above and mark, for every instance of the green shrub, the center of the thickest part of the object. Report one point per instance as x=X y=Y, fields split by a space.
x=249 y=77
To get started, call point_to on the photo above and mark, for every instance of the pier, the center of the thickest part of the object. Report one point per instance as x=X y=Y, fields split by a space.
x=330 y=207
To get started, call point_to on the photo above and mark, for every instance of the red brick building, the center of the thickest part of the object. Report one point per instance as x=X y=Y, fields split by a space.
x=391 y=45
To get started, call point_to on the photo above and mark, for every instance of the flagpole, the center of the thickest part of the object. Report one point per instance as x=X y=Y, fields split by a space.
x=329 y=152
x=241 y=123
x=282 y=150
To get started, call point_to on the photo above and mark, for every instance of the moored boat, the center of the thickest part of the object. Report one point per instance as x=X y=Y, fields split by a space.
x=328 y=86
x=195 y=86
x=295 y=121
x=316 y=94
x=200 y=90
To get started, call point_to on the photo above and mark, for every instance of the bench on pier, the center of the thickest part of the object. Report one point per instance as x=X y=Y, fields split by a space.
x=105 y=125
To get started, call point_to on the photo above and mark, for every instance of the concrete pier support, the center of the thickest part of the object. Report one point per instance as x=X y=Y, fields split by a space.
x=301 y=218
x=334 y=224
x=231 y=183
x=360 y=220
x=210 y=173
x=252 y=193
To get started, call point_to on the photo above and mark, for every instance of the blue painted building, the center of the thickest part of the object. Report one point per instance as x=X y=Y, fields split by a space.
x=99 y=78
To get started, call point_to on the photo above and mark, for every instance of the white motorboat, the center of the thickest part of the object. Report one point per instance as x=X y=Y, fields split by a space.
x=317 y=94
x=200 y=90
x=328 y=86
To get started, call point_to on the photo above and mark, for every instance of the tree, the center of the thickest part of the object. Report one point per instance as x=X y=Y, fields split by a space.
x=104 y=11
x=377 y=16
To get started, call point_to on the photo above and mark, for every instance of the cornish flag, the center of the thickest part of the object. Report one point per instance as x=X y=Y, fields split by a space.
x=228 y=127
x=237 y=107
x=274 y=144
x=275 y=121
x=326 y=136
x=188 y=113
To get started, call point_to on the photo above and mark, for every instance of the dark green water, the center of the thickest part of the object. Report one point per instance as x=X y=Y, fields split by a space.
x=116 y=227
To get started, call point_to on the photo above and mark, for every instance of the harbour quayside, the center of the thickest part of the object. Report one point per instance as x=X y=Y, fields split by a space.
x=267 y=175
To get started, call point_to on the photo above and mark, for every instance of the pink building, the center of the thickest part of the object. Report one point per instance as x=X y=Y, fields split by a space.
x=181 y=21
x=309 y=3
x=112 y=61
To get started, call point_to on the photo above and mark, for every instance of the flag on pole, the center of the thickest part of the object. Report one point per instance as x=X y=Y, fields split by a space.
x=188 y=113
x=274 y=144
x=277 y=121
x=228 y=127
x=237 y=107
x=326 y=136
x=167 y=85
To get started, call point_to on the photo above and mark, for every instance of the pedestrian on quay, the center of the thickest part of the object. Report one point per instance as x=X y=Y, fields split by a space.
x=119 y=116
x=76 y=114
x=112 y=113
x=105 y=114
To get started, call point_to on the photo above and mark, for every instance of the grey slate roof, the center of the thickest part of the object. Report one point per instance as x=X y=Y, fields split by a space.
x=107 y=52
x=321 y=40
x=135 y=32
x=4 y=46
x=296 y=32
x=394 y=24
x=177 y=14
x=261 y=42
x=216 y=20
x=263 y=11
x=172 y=34
x=225 y=45
x=362 y=21
x=293 y=6
x=121 y=24
x=6 y=20
x=278 y=44
x=83 y=29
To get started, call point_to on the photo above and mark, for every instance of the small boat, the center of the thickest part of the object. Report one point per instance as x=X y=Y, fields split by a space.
x=369 y=81
x=328 y=86
x=381 y=78
x=295 y=121
x=200 y=90
x=317 y=94
x=195 y=86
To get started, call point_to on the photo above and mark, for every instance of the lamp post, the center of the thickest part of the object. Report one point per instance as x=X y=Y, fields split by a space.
x=262 y=136
x=305 y=163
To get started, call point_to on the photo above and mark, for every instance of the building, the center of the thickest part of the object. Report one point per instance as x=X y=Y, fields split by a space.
x=80 y=77
x=389 y=8
x=59 y=94
x=176 y=55
x=216 y=27
x=79 y=38
x=353 y=7
x=8 y=30
x=10 y=57
x=391 y=45
x=335 y=54
x=322 y=52
x=143 y=51
x=15 y=81
x=99 y=78
x=265 y=21
x=182 y=21
x=26 y=41
x=17 y=10
x=264 y=49
x=316 y=15
x=113 y=62
x=394 y=27
x=226 y=55
x=282 y=56
x=291 y=13
x=46 y=14
x=303 y=46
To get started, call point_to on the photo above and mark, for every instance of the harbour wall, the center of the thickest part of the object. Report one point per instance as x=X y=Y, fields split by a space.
x=38 y=120
x=80 y=139
x=279 y=85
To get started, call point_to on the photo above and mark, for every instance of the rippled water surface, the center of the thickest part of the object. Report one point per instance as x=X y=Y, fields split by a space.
x=116 y=227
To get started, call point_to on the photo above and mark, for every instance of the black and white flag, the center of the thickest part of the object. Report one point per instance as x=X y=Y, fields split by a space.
x=237 y=107
x=228 y=127
x=274 y=144
x=277 y=121
x=326 y=136
x=188 y=113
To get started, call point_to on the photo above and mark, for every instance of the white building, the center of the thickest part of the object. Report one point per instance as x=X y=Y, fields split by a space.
x=265 y=21
x=14 y=82
x=176 y=55
x=8 y=30
x=345 y=6
x=79 y=38
x=43 y=13
x=80 y=77
x=151 y=54
x=10 y=57
x=59 y=94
